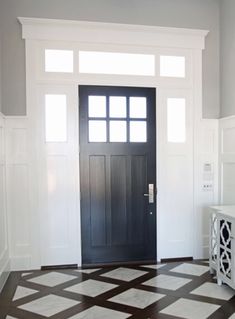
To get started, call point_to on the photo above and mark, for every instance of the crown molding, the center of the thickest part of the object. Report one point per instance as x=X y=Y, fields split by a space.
x=111 y=33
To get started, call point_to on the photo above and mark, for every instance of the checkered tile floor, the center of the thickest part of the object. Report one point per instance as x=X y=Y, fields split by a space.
x=165 y=291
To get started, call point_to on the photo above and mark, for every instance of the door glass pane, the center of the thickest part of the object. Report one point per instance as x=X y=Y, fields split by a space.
x=138 y=107
x=55 y=118
x=116 y=63
x=97 y=106
x=117 y=106
x=59 y=61
x=97 y=131
x=117 y=131
x=176 y=126
x=138 y=131
x=172 y=66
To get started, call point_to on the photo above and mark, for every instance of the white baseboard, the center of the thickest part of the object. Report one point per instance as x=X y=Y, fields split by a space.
x=21 y=263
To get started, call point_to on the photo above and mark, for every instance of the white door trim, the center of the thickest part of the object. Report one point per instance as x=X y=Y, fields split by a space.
x=73 y=35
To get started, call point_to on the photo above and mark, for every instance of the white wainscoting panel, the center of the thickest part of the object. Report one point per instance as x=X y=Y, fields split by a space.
x=18 y=192
x=4 y=250
x=42 y=193
x=205 y=182
x=227 y=160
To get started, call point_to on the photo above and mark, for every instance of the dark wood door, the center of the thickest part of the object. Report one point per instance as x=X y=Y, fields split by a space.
x=117 y=164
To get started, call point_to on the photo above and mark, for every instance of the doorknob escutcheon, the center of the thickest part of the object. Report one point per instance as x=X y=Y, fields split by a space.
x=150 y=194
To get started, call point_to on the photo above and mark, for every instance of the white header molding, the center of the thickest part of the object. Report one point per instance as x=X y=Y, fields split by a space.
x=112 y=33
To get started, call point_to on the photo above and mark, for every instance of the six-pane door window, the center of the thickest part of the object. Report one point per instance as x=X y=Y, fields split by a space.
x=117 y=119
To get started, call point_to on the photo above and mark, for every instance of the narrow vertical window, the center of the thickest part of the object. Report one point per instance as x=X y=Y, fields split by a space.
x=176 y=120
x=56 y=117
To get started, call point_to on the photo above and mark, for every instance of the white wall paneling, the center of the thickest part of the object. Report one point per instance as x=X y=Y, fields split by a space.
x=4 y=248
x=48 y=194
x=18 y=156
x=227 y=160
x=205 y=181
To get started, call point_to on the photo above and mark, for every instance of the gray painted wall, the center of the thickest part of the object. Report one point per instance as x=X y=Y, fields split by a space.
x=0 y=71
x=200 y=14
x=227 y=57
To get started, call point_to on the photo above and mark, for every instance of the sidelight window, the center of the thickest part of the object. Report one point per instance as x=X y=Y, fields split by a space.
x=56 y=117
x=176 y=120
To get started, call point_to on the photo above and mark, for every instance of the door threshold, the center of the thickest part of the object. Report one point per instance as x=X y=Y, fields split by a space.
x=178 y=259
x=120 y=263
x=59 y=267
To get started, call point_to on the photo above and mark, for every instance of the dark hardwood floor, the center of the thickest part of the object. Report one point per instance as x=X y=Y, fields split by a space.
x=172 y=290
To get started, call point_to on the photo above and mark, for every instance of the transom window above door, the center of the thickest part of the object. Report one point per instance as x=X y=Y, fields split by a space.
x=74 y=61
x=117 y=119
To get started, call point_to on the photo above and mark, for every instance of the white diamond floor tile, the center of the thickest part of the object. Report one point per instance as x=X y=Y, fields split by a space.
x=91 y=288
x=124 y=274
x=22 y=292
x=49 y=305
x=9 y=317
x=190 y=309
x=213 y=290
x=137 y=298
x=52 y=279
x=167 y=282
x=154 y=266
x=191 y=269
x=97 y=312
x=232 y=317
x=87 y=271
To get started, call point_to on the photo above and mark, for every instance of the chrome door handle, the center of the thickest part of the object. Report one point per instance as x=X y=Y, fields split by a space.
x=150 y=194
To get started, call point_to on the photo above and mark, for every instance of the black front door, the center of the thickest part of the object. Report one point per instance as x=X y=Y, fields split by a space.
x=118 y=174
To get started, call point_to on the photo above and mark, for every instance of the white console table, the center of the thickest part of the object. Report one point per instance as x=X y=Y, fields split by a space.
x=222 y=244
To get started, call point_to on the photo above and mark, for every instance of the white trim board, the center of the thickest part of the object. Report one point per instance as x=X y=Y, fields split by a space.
x=4 y=248
x=35 y=160
x=111 y=33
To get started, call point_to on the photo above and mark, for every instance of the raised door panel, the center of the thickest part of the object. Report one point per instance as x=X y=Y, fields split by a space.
x=119 y=212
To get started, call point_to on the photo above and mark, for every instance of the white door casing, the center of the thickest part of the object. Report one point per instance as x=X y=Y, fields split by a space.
x=55 y=212
x=4 y=245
